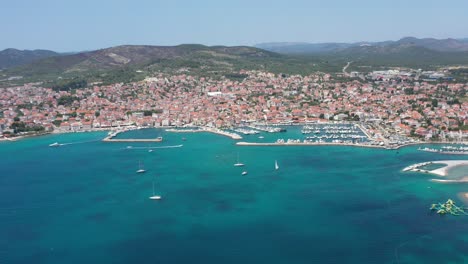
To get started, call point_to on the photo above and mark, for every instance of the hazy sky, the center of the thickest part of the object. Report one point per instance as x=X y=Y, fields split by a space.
x=69 y=25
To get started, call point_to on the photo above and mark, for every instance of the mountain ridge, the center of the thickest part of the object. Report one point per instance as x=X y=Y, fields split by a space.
x=11 y=57
x=444 y=45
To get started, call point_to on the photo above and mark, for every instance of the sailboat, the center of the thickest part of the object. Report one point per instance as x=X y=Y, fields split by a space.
x=140 y=168
x=155 y=197
x=276 y=165
x=238 y=164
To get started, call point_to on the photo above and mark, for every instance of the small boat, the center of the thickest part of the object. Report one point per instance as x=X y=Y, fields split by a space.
x=276 y=165
x=261 y=137
x=244 y=173
x=238 y=164
x=155 y=197
x=140 y=168
x=56 y=144
x=184 y=139
x=150 y=150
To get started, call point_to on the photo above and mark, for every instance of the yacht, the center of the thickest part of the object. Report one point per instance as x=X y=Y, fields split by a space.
x=155 y=197
x=238 y=164
x=140 y=169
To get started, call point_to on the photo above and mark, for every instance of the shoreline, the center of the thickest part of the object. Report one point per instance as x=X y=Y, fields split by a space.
x=176 y=129
x=206 y=129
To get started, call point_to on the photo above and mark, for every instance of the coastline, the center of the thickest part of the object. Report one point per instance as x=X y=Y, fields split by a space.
x=206 y=129
x=175 y=129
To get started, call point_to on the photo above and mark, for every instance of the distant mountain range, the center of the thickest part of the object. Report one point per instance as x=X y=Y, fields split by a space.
x=441 y=45
x=134 y=62
x=13 y=57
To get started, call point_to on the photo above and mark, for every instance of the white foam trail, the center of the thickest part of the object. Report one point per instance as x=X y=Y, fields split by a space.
x=79 y=142
x=163 y=147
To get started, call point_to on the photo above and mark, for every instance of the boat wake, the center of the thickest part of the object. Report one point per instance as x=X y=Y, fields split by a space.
x=56 y=144
x=162 y=147
x=80 y=142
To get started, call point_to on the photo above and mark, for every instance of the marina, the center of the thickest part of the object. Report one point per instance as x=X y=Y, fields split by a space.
x=454 y=150
x=205 y=129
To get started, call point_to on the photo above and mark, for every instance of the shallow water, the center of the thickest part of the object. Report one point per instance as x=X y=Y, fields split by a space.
x=84 y=203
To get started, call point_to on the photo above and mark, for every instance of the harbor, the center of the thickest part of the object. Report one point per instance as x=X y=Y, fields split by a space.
x=232 y=135
x=453 y=150
x=310 y=143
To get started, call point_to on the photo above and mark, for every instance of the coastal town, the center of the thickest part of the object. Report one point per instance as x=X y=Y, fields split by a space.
x=392 y=108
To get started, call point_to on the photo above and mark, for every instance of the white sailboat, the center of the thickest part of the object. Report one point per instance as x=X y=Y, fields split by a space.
x=276 y=165
x=238 y=164
x=140 y=168
x=155 y=197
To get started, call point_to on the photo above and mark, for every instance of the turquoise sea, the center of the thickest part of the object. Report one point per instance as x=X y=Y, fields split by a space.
x=84 y=203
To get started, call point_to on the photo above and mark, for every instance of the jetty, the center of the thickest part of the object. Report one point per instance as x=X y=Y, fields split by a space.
x=111 y=138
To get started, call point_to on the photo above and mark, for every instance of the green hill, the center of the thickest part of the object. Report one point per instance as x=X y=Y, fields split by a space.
x=13 y=57
x=131 y=63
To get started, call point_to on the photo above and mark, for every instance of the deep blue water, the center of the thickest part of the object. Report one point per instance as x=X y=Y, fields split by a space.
x=84 y=203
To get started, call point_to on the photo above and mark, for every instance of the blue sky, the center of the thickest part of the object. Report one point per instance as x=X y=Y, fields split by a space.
x=70 y=25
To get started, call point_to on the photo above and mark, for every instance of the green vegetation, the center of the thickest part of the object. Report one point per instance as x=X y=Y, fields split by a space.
x=19 y=127
x=236 y=76
x=409 y=91
x=67 y=85
x=57 y=122
x=150 y=112
x=134 y=63
x=67 y=100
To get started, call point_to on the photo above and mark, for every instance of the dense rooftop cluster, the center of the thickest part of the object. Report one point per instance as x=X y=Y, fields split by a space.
x=423 y=109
